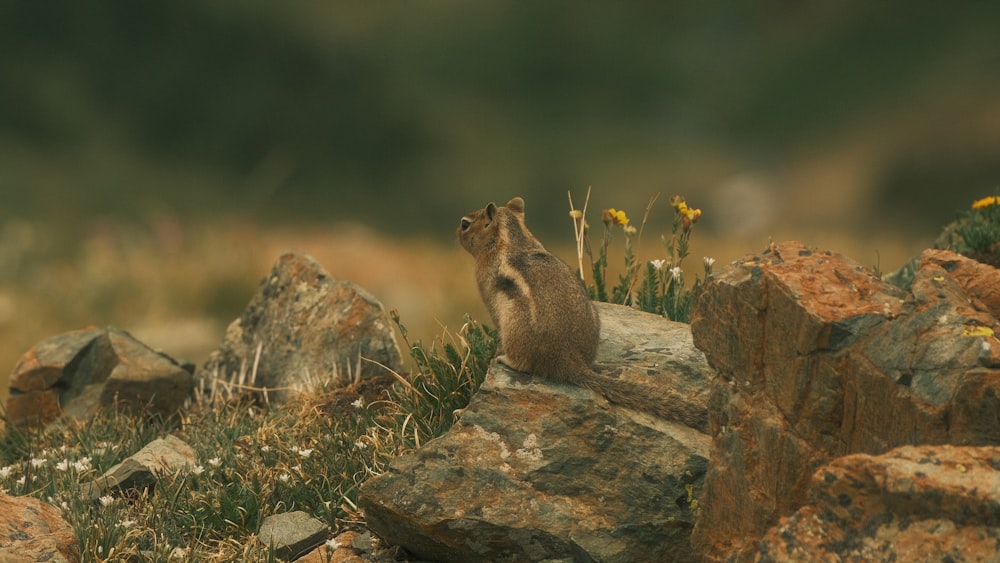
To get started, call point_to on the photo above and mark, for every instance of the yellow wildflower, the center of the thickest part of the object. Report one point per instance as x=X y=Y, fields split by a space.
x=615 y=216
x=576 y=214
x=681 y=207
x=986 y=202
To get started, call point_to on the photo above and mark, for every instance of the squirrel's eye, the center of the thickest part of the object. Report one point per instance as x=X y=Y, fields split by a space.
x=465 y=224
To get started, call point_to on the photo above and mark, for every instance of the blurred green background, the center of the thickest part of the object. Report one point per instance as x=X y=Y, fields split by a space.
x=175 y=138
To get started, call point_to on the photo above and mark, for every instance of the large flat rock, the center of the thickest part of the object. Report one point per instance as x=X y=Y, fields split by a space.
x=535 y=470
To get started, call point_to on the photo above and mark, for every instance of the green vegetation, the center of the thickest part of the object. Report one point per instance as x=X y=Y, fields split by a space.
x=975 y=233
x=311 y=454
x=657 y=286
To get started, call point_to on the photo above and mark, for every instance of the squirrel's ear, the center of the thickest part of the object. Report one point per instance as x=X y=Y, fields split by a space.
x=491 y=210
x=516 y=205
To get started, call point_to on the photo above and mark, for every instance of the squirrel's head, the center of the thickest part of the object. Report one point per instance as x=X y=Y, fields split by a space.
x=480 y=229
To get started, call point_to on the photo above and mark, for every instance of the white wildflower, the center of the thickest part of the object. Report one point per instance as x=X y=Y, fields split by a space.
x=197 y=470
x=675 y=273
x=81 y=465
x=6 y=470
x=107 y=500
x=62 y=465
x=38 y=461
x=304 y=452
x=360 y=445
x=284 y=477
x=215 y=462
x=265 y=448
x=358 y=404
x=332 y=544
x=657 y=263
x=709 y=261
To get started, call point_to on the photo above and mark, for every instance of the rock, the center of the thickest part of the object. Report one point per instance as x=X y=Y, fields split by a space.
x=978 y=280
x=347 y=547
x=142 y=469
x=817 y=359
x=535 y=470
x=926 y=503
x=292 y=533
x=304 y=327
x=79 y=372
x=31 y=530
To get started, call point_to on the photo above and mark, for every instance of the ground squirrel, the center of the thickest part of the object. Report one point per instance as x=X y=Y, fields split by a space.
x=548 y=326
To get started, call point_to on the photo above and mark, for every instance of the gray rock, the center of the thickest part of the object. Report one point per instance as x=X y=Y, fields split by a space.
x=79 y=372
x=535 y=470
x=301 y=328
x=816 y=359
x=34 y=397
x=31 y=530
x=142 y=469
x=292 y=533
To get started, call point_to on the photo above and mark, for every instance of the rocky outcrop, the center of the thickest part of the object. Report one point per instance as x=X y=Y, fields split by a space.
x=31 y=530
x=818 y=359
x=535 y=470
x=926 y=503
x=79 y=372
x=302 y=328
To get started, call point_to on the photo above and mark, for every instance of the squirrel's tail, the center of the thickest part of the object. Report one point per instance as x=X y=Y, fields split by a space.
x=665 y=403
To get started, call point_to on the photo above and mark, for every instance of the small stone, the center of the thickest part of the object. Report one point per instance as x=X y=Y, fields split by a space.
x=292 y=534
x=360 y=542
x=141 y=470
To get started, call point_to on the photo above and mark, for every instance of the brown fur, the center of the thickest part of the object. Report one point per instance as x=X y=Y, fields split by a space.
x=548 y=326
